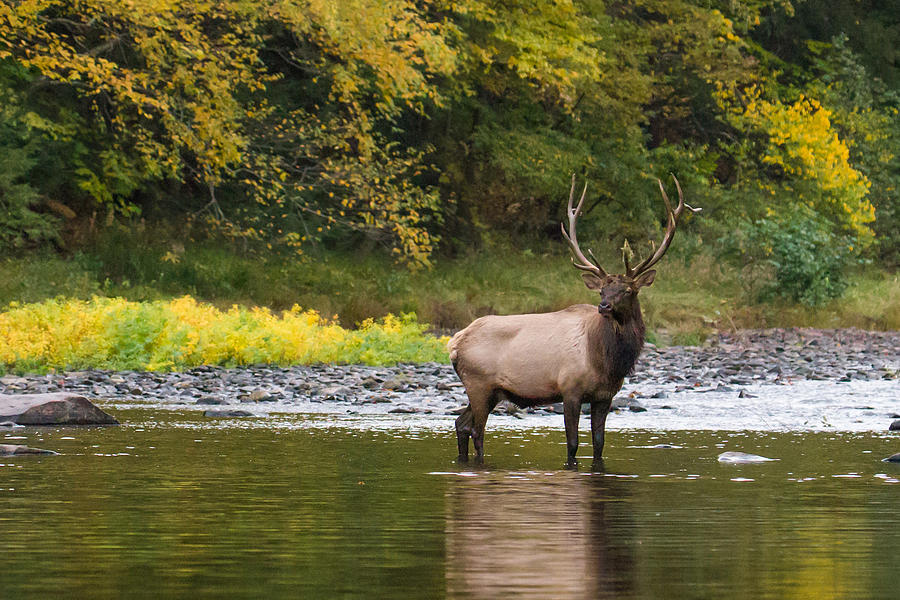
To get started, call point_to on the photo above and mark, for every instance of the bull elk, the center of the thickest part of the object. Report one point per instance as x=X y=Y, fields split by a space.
x=576 y=355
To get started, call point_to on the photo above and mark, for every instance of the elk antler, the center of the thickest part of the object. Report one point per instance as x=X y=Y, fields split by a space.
x=672 y=223
x=579 y=259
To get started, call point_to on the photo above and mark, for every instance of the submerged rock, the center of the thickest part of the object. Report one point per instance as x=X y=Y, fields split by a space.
x=224 y=414
x=60 y=408
x=894 y=458
x=742 y=458
x=18 y=449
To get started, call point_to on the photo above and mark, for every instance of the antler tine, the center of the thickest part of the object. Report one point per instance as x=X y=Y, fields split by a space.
x=579 y=260
x=626 y=251
x=671 y=224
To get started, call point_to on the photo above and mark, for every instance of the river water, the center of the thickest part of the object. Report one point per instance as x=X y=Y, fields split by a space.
x=339 y=504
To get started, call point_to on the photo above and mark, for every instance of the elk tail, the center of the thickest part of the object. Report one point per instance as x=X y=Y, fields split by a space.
x=452 y=348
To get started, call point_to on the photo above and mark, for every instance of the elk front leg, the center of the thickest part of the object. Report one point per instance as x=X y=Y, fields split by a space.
x=572 y=414
x=599 y=411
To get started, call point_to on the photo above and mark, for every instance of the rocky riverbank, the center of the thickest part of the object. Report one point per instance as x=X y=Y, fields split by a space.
x=728 y=364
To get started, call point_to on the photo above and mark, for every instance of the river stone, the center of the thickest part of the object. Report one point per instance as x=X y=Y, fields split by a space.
x=742 y=458
x=895 y=426
x=627 y=403
x=224 y=414
x=618 y=403
x=335 y=393
x=59 y=408
x=370 y=382
x=261 y=396
x=13 y=381
x=18 y=449
x=505 y=407
x=894 y=458
x=396 y=384
x=209 y=401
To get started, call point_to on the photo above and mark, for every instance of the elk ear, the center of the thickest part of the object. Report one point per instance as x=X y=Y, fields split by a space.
x=644 y=279
x=592 y=281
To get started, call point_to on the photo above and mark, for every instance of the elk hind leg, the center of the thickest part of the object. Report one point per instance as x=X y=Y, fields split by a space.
x=463 y=432
x=482 y=401
x=473 y=419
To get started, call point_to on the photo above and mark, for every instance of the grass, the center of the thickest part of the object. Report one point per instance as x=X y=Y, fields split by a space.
x=689 y=300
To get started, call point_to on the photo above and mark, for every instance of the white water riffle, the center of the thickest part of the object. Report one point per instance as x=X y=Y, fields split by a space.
x=801 y=406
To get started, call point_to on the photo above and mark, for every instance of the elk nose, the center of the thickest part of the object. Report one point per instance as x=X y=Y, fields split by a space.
x=604 y=305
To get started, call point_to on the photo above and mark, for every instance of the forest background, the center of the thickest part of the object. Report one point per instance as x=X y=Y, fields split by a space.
x=366 y=157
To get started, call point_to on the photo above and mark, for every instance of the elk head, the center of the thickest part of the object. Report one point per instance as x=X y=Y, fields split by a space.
x=618 y=293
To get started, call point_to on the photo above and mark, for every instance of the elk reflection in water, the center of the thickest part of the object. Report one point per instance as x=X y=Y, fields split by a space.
x=540 y=535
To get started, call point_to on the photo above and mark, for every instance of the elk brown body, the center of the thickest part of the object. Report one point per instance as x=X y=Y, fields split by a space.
x=577 y=355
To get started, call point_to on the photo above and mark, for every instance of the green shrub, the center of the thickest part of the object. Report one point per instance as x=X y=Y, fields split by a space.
x=20 y=225
x=114 y=333
x=800 y=256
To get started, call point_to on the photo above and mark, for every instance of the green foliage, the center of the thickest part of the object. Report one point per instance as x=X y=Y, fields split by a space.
x=799 y=248
x=20 y=225
x=867 y=114
x=419 y=126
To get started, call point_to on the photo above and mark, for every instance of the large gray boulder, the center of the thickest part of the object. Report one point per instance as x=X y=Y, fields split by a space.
x=60 y=408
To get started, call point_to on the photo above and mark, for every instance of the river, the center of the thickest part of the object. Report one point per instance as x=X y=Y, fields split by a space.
x=328 y=503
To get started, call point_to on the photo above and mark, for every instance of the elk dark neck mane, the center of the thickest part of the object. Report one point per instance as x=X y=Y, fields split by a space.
x=619 y=343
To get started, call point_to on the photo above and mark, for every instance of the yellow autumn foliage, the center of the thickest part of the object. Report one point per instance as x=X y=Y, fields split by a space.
x=812 y=162
x=113 y=333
